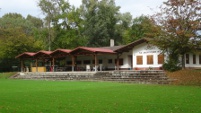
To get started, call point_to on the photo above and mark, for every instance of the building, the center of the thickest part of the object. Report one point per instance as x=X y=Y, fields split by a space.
x=138 y=55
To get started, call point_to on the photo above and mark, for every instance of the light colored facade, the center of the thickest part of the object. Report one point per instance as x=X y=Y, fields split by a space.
x=150 y=57
x=128 y=60
x=193 y=60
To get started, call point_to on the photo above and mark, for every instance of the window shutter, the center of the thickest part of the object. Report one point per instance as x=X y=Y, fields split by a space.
x=160 y=59
x=139 y=60
x=149 y=59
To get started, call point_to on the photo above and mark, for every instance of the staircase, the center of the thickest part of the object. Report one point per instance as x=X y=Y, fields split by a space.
x=143 y=77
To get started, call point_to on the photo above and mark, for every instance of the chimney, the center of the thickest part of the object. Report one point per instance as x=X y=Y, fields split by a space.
x=111 y=42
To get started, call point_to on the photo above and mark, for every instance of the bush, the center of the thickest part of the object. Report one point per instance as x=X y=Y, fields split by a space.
x=172 y=65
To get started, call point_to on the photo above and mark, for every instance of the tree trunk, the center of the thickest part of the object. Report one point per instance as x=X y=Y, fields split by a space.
x=183 y=61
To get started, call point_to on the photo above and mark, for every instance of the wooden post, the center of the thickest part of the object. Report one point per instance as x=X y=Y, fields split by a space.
x=36 y=65
x=95 y=62
x=73 y=63
x=22 y=65
x=31 y=65
x=53 y=62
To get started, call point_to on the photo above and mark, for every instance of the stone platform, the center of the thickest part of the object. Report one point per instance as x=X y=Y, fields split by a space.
x=143 y=76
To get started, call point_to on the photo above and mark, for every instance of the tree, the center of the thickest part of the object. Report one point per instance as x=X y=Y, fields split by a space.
x=100 y=19
x=123 y=24
x=14 y=41
x=37 y=22
x=141 y=27
x=14 y=20
x=63 y=23
x=179 y=20
x=16 y=37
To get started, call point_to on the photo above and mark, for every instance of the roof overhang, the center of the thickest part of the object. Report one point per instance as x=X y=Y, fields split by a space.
x=60 y=53
x=130 y=46
x=42 y=54
x=91 y=51
x=26 y=55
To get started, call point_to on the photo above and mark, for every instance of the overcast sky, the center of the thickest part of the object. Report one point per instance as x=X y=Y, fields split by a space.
x=25 y=7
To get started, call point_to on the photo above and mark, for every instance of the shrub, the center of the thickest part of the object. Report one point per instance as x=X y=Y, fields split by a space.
x=172 y=65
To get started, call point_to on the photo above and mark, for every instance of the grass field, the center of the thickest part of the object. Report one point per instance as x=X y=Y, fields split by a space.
x=35 y=96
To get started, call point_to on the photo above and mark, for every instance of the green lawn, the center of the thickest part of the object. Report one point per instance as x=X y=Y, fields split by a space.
x=32 y=96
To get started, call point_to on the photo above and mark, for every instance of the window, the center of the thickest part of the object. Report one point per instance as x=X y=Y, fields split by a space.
x=194 y=59
x=69 y=62
x=110 y=61
x=160 y=59
x=187 y=58
x=100 y=61
x=199 y=59
x=121 y=61
x=149 y=59
x=139 y=60
x=87 y=62
x=78 y=62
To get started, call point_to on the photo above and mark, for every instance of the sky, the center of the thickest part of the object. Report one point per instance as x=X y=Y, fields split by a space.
x=25 y=7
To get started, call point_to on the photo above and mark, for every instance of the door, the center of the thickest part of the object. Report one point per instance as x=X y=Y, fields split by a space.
x=130 y=61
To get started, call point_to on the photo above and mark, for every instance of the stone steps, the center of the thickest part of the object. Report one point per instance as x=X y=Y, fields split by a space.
x=154 y=77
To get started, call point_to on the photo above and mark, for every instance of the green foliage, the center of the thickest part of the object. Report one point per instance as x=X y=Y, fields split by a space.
x=14 y=20
x=96 y=97
x=179 y=21
x=172 y=65
x=37 y=23
x=63 y=23
x=15 y=43
x=17 y=35
x=68 y=27
x=141 y=27
x=102 y=22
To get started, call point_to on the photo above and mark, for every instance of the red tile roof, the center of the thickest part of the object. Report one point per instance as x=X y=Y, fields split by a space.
x=62 y=50
x=43 y=53
x=60 y=53
x=26 y=54
x=93 y=50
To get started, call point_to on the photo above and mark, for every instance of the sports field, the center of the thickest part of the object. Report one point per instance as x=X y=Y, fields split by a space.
x=36 y=96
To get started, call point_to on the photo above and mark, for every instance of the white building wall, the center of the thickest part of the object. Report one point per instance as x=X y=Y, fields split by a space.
x=191 y=65
x=126 y=60
x=143 y=50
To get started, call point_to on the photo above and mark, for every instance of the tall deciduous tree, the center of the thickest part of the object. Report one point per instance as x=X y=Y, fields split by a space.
x=179 y=20
x=16 y=37
x=15 y=20
x=100 y=19
x=141 y=27
x=63 y=22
